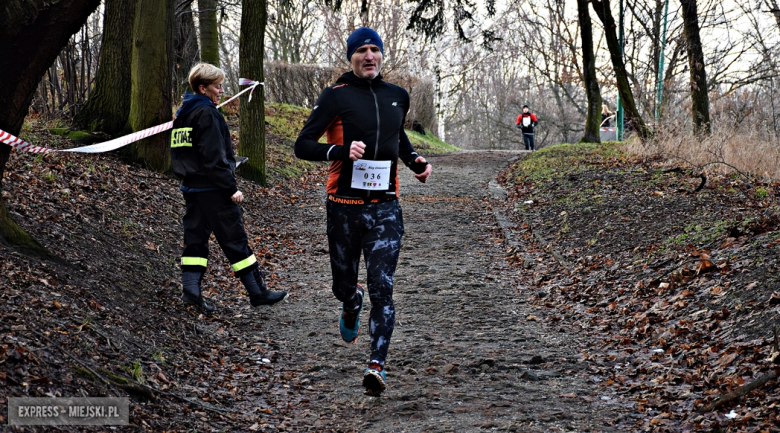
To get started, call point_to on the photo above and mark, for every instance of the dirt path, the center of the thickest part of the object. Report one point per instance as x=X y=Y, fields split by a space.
x=464 y=356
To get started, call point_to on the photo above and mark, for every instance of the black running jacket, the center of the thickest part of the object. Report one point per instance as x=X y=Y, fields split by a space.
x=356 y=109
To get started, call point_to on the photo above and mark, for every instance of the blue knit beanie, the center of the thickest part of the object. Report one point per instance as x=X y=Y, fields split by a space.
x=360 y=37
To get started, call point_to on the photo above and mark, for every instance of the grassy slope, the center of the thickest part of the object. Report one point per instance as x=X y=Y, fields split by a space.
x=429 y=144
x=555 y=161
x=287 y=120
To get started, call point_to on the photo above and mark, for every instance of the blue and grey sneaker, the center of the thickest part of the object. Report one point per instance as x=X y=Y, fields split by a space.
x=375 y=380
x=349 y=324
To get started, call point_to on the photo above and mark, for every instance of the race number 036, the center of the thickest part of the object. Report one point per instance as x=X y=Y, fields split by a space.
x=371 y=175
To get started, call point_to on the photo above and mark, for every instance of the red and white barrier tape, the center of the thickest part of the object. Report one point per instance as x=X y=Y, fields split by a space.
x=107 y=146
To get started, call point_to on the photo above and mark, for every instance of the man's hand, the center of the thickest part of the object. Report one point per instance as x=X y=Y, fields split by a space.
x=423 y=177
x=356 y=150
x=238 y=197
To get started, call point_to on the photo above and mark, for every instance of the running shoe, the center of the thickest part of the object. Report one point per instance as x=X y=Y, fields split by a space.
x=349 y=324
x=375 y=380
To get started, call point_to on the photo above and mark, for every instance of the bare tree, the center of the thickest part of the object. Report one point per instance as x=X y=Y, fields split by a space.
x=604 y=12
x=209 y=31
x=109 y=105
x=289 y=22
x=774 y=9
x=185 y=44
x=46 y=26
x=696 y=66
x=252 y=116
x=593 y=120
x=151 y=92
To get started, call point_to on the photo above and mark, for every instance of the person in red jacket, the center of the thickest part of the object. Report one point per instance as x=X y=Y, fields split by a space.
x=526 y=122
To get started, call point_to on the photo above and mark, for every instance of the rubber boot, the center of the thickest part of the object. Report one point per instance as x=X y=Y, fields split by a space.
x=191 y=291
x=263 y=296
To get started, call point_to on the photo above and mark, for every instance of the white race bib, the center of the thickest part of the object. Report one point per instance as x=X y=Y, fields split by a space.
x=371 y=175
x=527 y=121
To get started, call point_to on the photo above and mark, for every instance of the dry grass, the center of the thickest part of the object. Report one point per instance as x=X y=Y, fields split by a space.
x=726 y=150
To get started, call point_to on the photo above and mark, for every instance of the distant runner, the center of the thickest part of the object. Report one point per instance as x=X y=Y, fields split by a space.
x=606 y=116
x=526 y=122
x=363 y=117
x=202 y=154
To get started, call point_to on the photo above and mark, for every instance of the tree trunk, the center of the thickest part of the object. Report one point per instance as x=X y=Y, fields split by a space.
x=209 y=36
x=603 y=11
x=150 y=100
x=699 y=96
x=47 y=26
x=774 y=9
x=252 y=116
x=593 y=120
x=108 y=106
x=185 y=42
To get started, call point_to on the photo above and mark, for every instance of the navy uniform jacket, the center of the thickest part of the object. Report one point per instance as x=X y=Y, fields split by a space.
x=201 y=150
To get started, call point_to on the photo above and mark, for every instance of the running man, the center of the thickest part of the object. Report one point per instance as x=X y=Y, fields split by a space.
x=202 y=155
x=526 y=122
x=363 y=117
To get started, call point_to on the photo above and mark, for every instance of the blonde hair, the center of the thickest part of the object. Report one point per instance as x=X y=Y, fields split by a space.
x=204 y=74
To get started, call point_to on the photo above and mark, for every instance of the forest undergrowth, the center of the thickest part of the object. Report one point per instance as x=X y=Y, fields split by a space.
x=674 y=274
x=106 y=320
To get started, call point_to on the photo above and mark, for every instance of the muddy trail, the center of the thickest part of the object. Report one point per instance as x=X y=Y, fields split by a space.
x=466 y=355
x=472 y=348
x=597 y=293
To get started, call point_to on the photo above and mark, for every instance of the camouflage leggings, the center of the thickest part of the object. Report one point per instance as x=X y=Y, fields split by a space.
x=376 y=230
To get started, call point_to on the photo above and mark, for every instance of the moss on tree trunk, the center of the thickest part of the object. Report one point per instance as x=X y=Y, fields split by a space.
x=108 y=105
x=150 y=102
x=593 y=119
x=252 y=115
x=209 y=34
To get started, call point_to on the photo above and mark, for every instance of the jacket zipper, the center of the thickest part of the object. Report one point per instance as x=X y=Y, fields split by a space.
x=376 y=146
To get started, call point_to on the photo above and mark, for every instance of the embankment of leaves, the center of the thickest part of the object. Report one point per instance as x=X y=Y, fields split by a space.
x=113 y=310
x=677 y=290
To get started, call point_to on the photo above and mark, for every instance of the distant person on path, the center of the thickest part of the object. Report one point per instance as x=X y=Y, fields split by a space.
x=526 y=122
x=363 y=117
x=202 y=155
x=605 y=116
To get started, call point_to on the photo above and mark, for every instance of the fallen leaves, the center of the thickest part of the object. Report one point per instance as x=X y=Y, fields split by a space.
x=115 y=304
x=674 y=294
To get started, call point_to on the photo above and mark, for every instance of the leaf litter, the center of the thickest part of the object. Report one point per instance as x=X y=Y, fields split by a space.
x=676 y=290
x=112 y=302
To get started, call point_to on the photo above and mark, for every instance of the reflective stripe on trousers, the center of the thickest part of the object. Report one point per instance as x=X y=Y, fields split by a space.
x=214 y=212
